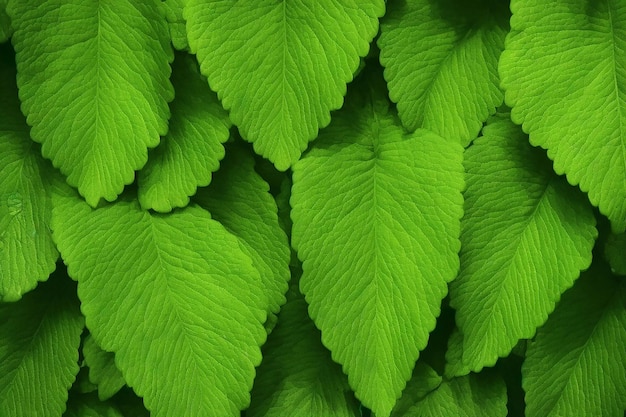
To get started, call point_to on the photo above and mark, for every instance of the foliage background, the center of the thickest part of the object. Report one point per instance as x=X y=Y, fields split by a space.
x=270 y=208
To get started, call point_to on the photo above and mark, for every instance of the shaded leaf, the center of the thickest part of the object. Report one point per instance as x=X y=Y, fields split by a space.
x=6 y=30
x=280 y=67
x=441 y=63
x=424 y=381
x=27 y=252
x=102 y=369
x=376 y=218
x=94 y=85
x=574 y=366
x=615 y=251
x=565 y=78
x=174 y=15
x=39 y=342
x=88 y=405
x=173 y=296
x=192 y=149
x=526 y=235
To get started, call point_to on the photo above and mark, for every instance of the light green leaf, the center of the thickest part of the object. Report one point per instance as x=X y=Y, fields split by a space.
x=575 y=365
x=565 y=77
x=297 y=376
x=173 y=296
x=174 y=15
x=615 y=251
x=455 y=366
x=474 y=395
x=102 y=369
x=192 y=149
x=376 y=218
x=6 y=30
x=424 y=381
x=39 y=342
x=27 y=252
x=526 y=236
x=281 y=66
x=88 y=405
x=239 y=199
x=94 y=85
x=441 y=63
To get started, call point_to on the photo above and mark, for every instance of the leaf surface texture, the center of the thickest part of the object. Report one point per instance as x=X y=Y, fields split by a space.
x=564 y=75
x=526 y=235
x=280 y=67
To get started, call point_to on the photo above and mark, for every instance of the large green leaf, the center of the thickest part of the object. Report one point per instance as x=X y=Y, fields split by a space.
x=297 y=376
x=526 y=235
x=376 y=221
x=94 y=85
x=192 y=149
x=102 y=369
x=564 y=74
x=39 y=342
x=441 y=63
x=173 y=296
x=281 y=66
x=474 y=395
x=239 y=199
x=575 y=365
x=27 y=252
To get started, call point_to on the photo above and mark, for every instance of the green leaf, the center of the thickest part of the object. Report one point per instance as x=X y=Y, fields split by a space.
x=239 y=199
x=88 y=405
x=174 y=15
x=424 y=381
x=173 y=296
x=102 y=369
x=615 y=251
x=441 y=63
x=192 y=149
x=280 y=67
x=6 y=30
x=565 y=77
x=297 y=376
x=94 y=85
x=575 y=365
x=39 y=342
x=455 y=366
x=376 y=218
x=525 y=237
x=27 y=252
x=474 y=395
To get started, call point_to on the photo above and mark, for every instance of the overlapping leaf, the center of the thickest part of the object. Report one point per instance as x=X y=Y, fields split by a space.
x=526 y=235
x=88 y=405
x=441 y=63
x=27 y=252
x=94 y=85
x=424 y=381
x=174 y=14
x=564 y=74
x=615 y=251
x=297 y=376
x=281 y=66
x=173 y=296
x=39 y=342
x=474 y=395
x=102 y=369
x=239 y=199
x=192 y=149
x=575 y=365
x=376 y=219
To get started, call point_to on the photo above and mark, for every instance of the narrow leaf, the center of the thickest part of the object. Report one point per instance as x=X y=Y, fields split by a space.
x=27 y=252
x=526 y=235
x=239 y=199
x=94 y=85
x=575 y=365
x=174 y=15
x=474 y=395
x=192 y=149
x=281 y=66
x=564 y=74
x=173 y=296
x=102 y=369
x=297 y=376
x=441 y=63
x=376 y=218
x=39 y=342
